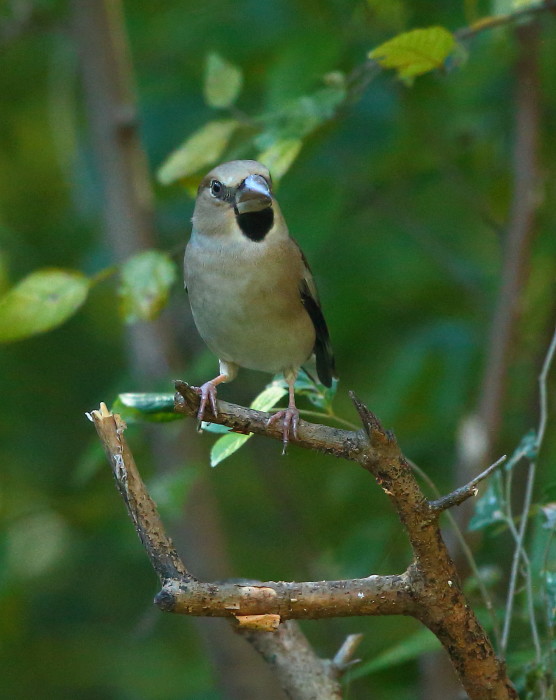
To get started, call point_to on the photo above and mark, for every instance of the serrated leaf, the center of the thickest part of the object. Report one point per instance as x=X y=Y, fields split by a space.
x=40 y=302
x=147 y=407
x=231 y=442
x=146 y=279
x=488 y=508
x=279 y=157
x=223 y=81
x=416 y=52
x=201 y=149
x=410 y=648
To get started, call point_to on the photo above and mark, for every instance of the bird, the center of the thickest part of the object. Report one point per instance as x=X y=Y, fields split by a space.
x=252 y=294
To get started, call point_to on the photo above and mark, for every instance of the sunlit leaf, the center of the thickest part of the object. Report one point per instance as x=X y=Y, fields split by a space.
x=40 y=302
x=223 y=81
x=225 y=446
x=147 y=407
x=279 y=157
x=488 y=508
x=146 y=279
x=410 y=648
x=416 y=52
x=202 y=149
x=269 y=397
x=230 y=443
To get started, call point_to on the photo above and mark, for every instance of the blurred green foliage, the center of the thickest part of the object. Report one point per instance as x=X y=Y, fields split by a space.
x=398 y=198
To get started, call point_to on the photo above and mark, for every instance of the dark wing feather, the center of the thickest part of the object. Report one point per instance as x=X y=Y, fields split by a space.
x=326 y=368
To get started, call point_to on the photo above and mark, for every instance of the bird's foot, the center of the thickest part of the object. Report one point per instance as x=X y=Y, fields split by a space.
x=290 y=423
x=207 y=392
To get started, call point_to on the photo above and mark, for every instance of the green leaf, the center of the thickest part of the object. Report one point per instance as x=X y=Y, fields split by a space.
x=527 y=447
x=148 y=407
x=301 y=116
x=416 y=52
x=279 y=157
x=223 y=81
x=225 y=446
x=146 y=279
x=203 y=148
x=317 y=393
x=231 y=442
x=488 y=508
x=410 y=648
x=40 y=302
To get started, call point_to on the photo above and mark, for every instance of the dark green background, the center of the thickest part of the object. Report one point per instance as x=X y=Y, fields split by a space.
x=400 y=206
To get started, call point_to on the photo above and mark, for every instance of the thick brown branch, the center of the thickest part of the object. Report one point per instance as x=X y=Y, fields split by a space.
x=375 y=595
x=140 y=506
x=340 y=443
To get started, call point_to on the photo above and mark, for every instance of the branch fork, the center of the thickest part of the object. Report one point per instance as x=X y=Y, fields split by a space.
x=428 y=590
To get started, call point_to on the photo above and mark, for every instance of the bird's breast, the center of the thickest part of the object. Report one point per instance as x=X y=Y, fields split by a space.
x=246 y=303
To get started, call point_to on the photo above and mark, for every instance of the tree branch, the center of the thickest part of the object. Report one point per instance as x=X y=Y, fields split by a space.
x=429 y=590
x=464 y=492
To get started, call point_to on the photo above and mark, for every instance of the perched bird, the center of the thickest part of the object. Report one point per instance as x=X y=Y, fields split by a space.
x=253 y=298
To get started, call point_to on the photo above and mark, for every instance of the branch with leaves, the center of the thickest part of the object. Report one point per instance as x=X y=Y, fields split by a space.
x=428 y=590
x=47 y=298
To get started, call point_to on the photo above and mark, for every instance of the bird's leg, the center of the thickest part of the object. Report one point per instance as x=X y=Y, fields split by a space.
x=207 y=391
x=289 y=416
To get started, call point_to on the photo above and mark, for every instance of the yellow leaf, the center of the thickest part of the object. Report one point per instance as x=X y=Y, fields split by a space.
x=202 y=149
x=279 y=157
x=416 y=52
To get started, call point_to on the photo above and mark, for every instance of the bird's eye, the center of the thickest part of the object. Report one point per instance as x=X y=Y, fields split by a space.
x=216 y=188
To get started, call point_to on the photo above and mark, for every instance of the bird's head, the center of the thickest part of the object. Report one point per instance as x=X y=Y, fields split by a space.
x=236 y=199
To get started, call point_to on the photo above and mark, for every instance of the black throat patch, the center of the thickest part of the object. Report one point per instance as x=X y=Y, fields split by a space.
x=255 y=224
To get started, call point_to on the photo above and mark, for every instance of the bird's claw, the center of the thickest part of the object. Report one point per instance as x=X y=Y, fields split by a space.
x=207 y=392
x=290 y=423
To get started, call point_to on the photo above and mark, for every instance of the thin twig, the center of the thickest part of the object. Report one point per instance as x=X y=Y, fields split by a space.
x=494 y=21
x=519 y=535
x=464 y=492
x=519 y=553
x=343 y=659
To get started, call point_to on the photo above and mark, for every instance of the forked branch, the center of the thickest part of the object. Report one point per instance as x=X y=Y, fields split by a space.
x=428 y=590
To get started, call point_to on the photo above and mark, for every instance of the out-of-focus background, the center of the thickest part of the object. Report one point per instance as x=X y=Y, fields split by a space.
x=425 y=211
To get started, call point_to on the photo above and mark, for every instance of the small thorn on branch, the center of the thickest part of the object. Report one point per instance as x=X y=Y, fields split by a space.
x=455 y=498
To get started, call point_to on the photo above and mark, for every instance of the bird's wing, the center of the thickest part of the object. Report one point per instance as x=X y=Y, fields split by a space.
x=323 y=349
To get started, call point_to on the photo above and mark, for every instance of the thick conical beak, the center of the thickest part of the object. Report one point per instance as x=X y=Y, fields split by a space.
x=253 y=195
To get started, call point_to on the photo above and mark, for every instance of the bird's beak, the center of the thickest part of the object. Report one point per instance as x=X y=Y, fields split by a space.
x=253 y=195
